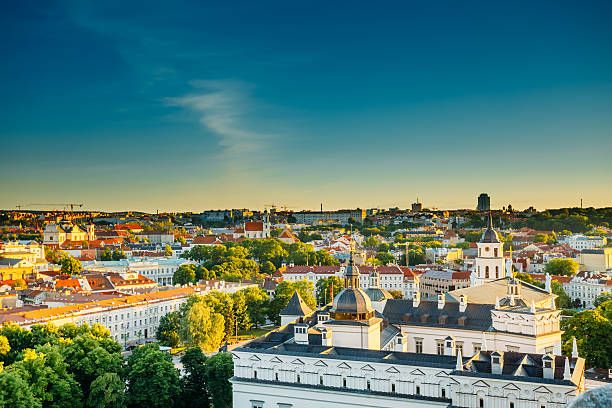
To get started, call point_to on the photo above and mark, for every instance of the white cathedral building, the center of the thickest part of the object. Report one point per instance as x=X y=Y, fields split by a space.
x=497 y=344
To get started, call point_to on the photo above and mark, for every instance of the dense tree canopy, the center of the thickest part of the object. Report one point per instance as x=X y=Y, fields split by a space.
x=152 y=380
x=324 y=289
x=219 y=368
x=71 y=266
x=564 y=267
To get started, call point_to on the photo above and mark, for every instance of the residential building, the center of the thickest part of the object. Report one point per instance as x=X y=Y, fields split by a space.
x=595 y=259
x=581 y=242
x=161 y=270
x=157 y=237
x=392 y=277
x=331 y=217
x=443 y=255
x=436 y=281
x=129 y=318
x=586 y=286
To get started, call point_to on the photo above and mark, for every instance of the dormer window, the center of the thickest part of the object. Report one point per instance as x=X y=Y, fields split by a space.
x=547 y=364
x=495 y=360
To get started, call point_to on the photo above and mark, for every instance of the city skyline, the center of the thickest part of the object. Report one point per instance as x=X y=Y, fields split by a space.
x=134 y=107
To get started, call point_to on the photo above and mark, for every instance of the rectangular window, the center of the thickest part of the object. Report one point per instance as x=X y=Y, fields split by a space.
x=477 y=348
x=418 y=345
x=443 y=393
x=418 y=390
x=481 y=403
x=257 y=404
x=440 y=348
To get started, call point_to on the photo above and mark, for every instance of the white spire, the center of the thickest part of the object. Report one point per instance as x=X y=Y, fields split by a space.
x=567 y=375
x=496 y=302
x=484 y=343
x=574 y=349
x=459 y=366
x=533 y=308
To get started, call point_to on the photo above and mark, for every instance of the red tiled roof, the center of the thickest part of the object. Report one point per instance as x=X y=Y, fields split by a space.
x=253 y=226
x=211 y=239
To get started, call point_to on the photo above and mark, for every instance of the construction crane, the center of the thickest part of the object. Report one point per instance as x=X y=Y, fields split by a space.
x=65 y=205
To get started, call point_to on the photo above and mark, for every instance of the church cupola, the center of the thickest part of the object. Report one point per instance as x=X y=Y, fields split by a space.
x=351 y=275
x=513 y=293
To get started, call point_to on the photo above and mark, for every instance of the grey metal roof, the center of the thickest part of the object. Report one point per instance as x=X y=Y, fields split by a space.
x=377 y=294
x=490 y=235
x=10 y=261
x=352 y=300
x=296 y=306
x=475 y=317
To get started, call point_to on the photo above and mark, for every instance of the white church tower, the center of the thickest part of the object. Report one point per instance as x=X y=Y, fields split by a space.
x=489 y=264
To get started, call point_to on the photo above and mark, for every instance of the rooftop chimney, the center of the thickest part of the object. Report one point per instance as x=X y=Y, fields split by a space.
x=416 y=299
x=462 y=303
x=300 y=332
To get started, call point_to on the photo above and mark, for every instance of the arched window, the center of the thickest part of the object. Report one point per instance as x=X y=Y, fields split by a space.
x=495 y=252
x=487 y=271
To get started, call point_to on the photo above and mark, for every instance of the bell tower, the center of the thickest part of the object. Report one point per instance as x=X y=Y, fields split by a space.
x=489 y=264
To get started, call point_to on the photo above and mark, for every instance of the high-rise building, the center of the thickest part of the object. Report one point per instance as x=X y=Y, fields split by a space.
x=484 y=202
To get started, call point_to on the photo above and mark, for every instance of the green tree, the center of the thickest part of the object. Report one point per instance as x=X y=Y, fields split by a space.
x=371 y=242
x=107 y=255
x=181 y=240
x=256 y=305
x=385 y=258
x=107 y=391
x=118 y=254
x=202 y=327
x=169 y=328
x=168 y=250
x=324 y=289
x=563 y=301
x=396 y=294
x=593 y=333
x=15 y=392
x=193 y=383
x=5 y=347
x=219 y=369
x=604 y=297
x=283 y=293
x=605 y=309
x=71 y=266
x=47 y=375
x=152 y=380
x=203 y=273
x=564 y=267
x=243 y=320
x=268 y=268
x=184 y=274
x=89 y=357
x=540 y=238
x=323 y=257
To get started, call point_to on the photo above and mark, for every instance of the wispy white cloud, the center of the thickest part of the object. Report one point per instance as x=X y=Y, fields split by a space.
x=224 y=108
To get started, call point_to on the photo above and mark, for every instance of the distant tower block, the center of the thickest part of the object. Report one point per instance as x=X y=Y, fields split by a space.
x=484 y=202
x=417 y=207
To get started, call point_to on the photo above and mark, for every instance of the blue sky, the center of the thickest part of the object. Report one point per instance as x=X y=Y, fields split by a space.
x=189 y=105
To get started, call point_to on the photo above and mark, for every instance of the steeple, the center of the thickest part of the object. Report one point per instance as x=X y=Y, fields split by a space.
x=351 y=275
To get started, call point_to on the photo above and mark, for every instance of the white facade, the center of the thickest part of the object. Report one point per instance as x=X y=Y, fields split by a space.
x=489 y=264
x=264 y=379
x=161 y=270
x=580 y=242
x=587 y=286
